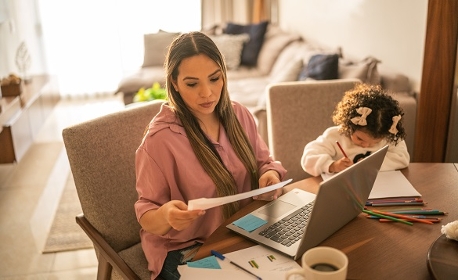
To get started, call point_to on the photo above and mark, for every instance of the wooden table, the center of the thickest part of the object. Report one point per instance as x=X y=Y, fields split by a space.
x=375 y=250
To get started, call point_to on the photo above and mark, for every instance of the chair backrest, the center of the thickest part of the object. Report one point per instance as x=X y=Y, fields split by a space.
x=297 y=113
x=101 y=153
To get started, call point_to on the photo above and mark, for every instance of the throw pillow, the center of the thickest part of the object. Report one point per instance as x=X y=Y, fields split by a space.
x=275 y=40
x=289 y=74
x=231 y=47
x=364 y=70
x=321 y=67
x=251 y=49
x=156 y=46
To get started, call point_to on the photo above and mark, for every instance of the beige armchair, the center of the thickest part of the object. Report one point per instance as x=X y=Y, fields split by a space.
x=101 y=153
x=297 y=113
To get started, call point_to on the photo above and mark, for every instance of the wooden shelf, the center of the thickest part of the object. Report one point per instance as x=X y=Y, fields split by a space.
x=22 y=117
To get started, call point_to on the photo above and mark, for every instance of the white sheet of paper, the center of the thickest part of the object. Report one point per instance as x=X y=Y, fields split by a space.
x=389 y=184
x=268 y=270
x=206 y=203
x=192 y=273
x=392 y=184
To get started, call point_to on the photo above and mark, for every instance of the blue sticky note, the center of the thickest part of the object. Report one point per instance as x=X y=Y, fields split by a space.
x=249 y=222
x=208 y=262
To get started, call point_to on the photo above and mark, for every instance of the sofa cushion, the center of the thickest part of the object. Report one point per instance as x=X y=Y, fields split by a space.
x=247 y=91
x=321 y=67
x=396 y=82
x=292 y=52
x=145 y=78
x=298 y=50
x=365 y=70
x=156 y=46
x=275 y=40
x=253 y=46
x=231 y=47
x=289 y=73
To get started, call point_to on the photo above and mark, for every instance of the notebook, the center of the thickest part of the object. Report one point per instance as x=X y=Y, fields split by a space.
x=339 y=200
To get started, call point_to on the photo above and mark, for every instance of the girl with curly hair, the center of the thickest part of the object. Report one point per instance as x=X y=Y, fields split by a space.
x=366 y=119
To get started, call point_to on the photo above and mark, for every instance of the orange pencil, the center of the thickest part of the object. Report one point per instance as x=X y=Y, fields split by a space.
x=437 y=220
x=403 y=217
x=341 y=149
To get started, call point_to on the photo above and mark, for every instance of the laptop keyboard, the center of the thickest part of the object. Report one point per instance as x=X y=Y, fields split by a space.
x=289 y=229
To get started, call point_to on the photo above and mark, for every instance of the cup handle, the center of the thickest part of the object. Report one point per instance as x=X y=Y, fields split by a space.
x=293 y=272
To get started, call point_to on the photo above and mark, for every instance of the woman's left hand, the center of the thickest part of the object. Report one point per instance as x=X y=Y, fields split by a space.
x=269 y=178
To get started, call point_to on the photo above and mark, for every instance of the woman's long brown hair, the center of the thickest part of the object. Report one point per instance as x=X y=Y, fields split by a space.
x=191 y=44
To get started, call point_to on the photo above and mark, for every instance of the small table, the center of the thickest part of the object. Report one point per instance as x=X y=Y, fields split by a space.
x=375 y=250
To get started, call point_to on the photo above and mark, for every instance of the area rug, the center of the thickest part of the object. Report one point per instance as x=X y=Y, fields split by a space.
x=65 y=233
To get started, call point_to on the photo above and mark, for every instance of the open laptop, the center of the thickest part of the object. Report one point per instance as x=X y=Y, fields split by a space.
x=339 y=200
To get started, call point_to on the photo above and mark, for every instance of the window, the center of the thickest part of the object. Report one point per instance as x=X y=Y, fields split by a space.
x=91 y=44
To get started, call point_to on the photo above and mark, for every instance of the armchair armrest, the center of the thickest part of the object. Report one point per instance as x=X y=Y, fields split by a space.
x=108 y=258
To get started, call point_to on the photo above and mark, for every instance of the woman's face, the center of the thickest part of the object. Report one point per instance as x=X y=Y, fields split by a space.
x=363 y=139
x=199 y=82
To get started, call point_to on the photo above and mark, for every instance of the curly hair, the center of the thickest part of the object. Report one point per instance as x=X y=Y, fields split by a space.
x=379 y=121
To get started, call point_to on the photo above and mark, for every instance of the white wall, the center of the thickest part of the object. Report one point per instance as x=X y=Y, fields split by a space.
x=393 y=31
x=21 y=25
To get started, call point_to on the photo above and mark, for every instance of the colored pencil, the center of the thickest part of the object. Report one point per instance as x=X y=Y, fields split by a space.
x=434 y=220
x=395 y=203
x=387 y=217
x=341 y=149
x=412 y=216
x=419 y=212
x=403 y=217
x=401 y=199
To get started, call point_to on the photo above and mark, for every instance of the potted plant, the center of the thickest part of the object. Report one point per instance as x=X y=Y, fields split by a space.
x=152 y=93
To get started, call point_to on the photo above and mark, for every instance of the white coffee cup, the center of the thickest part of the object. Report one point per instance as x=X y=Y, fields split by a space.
x=322 y=263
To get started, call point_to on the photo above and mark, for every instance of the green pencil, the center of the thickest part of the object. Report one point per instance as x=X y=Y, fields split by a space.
x=387 y=217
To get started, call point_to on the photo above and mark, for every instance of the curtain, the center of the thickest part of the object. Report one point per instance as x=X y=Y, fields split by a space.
x=219 y=12
x=90 y=45
x=259 y=11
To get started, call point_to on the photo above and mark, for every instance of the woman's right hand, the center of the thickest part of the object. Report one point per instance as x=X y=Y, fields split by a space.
x=178 y=216
x=173 y=214
x=340 y=165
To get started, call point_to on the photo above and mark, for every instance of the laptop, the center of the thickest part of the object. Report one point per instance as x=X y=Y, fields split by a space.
x=316 y=217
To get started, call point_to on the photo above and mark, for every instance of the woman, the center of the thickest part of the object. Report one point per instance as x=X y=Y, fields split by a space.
x=199 y=145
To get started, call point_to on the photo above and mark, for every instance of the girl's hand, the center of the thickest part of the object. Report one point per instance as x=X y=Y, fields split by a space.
x=269 y=178
x=177 y=215
x=340 y=165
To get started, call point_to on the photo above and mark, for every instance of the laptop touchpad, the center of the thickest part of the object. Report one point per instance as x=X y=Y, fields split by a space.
x=277 y=209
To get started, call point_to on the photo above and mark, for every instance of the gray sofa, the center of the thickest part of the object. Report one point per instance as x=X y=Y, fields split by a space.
x=281 y=60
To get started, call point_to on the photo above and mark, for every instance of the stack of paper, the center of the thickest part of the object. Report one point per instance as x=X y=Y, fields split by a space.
x=389 y=184
x=261 y=261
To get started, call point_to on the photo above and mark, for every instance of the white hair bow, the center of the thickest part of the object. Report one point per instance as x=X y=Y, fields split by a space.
x=393 y=129
x=364 y=112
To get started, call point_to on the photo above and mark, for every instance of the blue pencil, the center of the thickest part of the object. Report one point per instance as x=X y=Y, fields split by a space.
x=420 y=212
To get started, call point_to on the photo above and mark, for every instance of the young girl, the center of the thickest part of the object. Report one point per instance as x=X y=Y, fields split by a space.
x=367 y=119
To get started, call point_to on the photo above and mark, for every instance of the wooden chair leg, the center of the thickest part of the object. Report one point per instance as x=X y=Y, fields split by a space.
x=104 y=269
